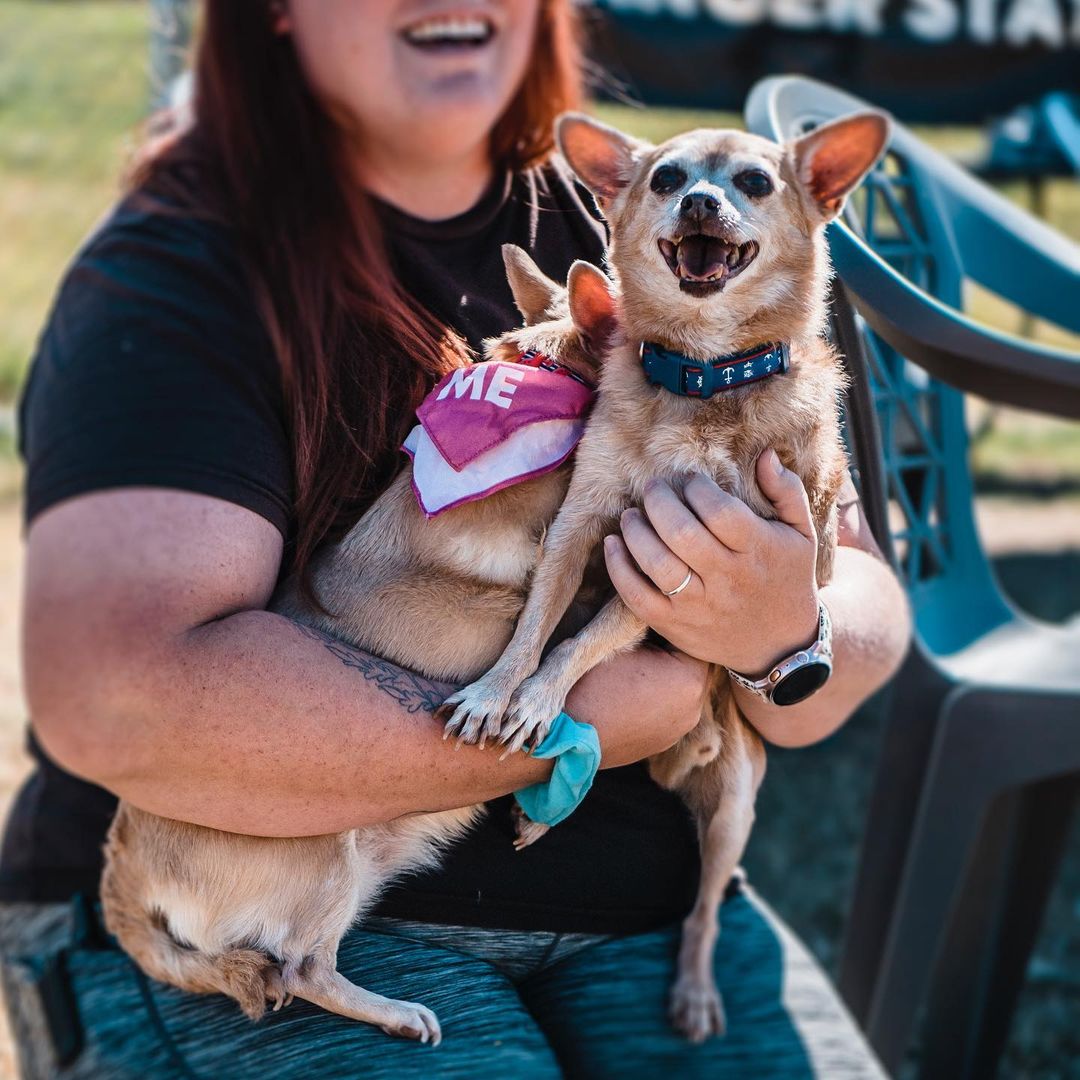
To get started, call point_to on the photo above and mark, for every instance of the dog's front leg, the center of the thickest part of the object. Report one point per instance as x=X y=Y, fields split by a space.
x=541 y=698
x=479 y=709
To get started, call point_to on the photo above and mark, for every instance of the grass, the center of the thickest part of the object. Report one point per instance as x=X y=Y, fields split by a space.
x=73 y=87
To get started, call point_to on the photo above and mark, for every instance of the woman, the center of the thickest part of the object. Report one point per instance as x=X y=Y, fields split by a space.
x=224 y=382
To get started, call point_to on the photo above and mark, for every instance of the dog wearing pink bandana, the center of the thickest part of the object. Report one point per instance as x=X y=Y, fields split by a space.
x=432 y=578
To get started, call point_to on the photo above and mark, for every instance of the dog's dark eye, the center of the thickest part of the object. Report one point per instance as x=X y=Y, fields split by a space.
x=754 y=182
x=666 y=179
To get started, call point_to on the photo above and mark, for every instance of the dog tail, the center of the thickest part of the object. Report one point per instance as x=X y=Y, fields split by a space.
x=245 y=975
x=248 y=976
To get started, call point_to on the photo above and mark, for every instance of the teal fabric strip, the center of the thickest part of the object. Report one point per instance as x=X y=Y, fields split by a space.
x=576 y=750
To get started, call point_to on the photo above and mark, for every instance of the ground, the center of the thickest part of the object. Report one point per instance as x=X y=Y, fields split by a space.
x=73 y=86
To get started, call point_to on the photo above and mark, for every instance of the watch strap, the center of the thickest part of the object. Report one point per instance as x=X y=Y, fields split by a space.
x=820 y=652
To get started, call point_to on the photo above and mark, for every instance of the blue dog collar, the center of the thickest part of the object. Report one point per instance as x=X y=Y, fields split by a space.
x=703 y=378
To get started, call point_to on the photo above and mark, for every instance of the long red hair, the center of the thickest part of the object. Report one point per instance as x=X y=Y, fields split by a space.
x=356 y=352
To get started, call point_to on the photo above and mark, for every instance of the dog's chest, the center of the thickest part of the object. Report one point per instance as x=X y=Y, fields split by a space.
x=676 y=453
x=502 y=552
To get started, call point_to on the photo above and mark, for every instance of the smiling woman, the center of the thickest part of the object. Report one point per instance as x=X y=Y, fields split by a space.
x=224 y=382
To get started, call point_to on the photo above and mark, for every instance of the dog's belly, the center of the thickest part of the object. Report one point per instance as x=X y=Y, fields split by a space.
x=288 y=898
x=282 y=896
x=413 y=842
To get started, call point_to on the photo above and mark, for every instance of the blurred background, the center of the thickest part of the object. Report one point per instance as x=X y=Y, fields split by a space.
x=77 y=78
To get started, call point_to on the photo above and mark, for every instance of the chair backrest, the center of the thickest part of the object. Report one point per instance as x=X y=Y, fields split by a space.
x=924 y=217
x=924 y=439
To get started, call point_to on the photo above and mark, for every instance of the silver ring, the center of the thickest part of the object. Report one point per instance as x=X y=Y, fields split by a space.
x=682 y=585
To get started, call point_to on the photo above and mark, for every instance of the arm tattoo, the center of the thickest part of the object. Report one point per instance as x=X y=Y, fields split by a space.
x=414 y=693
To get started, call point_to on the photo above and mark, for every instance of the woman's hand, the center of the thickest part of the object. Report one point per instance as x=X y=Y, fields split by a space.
x=752 y=594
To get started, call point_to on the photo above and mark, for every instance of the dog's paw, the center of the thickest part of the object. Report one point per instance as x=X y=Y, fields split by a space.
x=475 y=712
x=274 y=985
x=530 y=714
x=697 y=1010
x=526 y=831
x=411 y=1021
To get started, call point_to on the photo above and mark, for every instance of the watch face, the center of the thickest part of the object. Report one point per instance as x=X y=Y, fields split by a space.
x=801 y=683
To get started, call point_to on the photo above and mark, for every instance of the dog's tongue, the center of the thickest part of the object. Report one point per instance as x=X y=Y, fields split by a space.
x=702 y=256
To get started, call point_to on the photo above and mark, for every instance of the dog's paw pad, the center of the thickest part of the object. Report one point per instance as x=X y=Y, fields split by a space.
x=526 y=831
x=412 y=1021
x=697 y=1010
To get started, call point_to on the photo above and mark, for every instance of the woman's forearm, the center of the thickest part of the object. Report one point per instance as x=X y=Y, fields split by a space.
x=871 y=629
x=255 y=724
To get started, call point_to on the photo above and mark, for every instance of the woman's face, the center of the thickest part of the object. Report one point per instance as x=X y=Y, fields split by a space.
x=417 y=80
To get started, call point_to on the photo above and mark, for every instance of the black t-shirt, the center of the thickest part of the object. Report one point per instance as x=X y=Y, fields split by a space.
x=155 y=369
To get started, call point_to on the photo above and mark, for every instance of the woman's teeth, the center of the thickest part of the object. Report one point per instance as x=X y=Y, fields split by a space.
x=462 y=30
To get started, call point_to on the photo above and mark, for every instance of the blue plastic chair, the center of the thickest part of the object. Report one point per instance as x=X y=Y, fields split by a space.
x=980 y=759
x=1034 y=142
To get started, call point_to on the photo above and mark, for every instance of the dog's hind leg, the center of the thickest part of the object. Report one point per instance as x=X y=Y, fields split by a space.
x=696 y=1007
x=316 y=980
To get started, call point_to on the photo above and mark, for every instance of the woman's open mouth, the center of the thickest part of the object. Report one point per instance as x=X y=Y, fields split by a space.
x=705 y=264
x=449 y=33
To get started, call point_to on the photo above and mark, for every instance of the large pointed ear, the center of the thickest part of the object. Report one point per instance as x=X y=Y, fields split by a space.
x=592 y=307
x=831 y=161
x=534 y=292
x=602 y=157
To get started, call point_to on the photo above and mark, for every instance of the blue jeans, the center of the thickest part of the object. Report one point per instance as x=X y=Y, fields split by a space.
x=526 y=1005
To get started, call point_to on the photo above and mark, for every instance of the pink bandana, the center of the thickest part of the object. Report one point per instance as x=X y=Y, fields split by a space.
x=490 y=425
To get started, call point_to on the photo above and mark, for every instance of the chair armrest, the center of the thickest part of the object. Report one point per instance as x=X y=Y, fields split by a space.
x=1002 y=246
x=949 y=345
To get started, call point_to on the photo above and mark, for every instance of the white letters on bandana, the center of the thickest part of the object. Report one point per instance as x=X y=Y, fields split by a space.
x=490 y=425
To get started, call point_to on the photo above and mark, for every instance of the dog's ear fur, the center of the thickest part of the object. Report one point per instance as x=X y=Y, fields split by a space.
x=592 y=307
x=534 y=292
x=831 y=161
x=602 y=157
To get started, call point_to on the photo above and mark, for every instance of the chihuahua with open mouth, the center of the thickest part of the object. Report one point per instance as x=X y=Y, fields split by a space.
x=260 y=919
x=719 y=258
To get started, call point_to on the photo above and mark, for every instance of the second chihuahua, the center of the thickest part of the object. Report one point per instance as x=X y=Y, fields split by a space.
x=260 y=918
x=722 y=270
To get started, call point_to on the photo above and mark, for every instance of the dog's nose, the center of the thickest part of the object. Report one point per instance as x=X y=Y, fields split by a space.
x=699 y=202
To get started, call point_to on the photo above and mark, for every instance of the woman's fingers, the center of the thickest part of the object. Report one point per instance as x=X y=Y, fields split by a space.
x=785 y=491
x=677 y=527
x=727 y=518
x=639 y=594
x=652 y=555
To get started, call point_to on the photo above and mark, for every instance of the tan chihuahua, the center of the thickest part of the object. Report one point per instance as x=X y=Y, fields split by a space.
x=260 y=919
x=718 y=250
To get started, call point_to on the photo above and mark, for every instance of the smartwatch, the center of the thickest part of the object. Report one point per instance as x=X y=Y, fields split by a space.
x=798 y=676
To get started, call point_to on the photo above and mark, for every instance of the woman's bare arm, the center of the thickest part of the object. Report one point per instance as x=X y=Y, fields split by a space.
x=871 y=631
x=153 y=670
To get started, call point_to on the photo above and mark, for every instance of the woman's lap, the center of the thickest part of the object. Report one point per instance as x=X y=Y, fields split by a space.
x=579 y=1007
x=605 y=1010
